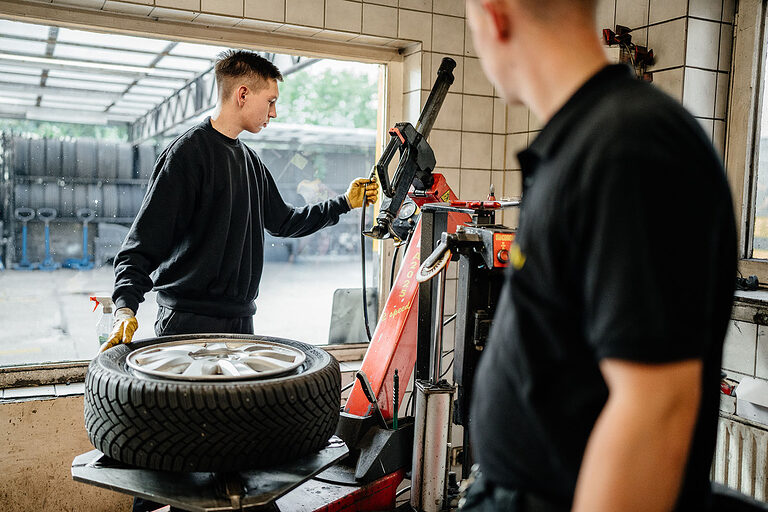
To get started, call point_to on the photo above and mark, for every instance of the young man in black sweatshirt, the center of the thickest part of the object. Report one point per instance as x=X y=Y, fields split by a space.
x=198 y=238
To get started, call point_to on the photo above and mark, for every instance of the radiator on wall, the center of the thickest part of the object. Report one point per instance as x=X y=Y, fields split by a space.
x=741 y=457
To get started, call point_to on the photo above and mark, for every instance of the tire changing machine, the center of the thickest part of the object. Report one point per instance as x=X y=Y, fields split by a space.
x=364 y=463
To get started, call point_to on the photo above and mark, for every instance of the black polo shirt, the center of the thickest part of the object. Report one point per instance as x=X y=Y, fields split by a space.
x=627 y=251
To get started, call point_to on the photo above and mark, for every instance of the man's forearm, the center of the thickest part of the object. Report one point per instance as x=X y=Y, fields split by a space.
x=636 y=455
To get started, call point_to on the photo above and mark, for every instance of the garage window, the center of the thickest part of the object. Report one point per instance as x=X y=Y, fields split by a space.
x=83 y=117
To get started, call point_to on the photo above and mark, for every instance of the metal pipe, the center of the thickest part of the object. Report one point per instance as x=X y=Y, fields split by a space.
x=437 y=341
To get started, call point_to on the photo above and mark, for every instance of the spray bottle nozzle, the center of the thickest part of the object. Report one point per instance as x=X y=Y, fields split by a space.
x=106 y=302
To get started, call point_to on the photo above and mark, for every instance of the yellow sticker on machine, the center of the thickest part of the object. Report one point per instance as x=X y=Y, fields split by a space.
x=446 y=197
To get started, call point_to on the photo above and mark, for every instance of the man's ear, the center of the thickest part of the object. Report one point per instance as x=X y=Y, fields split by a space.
x=240 y=94
x=498 y=10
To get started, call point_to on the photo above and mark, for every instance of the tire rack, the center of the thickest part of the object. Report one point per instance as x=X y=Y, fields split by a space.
x=110 y=179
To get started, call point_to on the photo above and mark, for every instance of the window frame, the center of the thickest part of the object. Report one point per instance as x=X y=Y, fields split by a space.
x=743 y=130
x=390 y=111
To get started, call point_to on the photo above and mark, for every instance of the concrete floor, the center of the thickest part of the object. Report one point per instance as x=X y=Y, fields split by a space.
x=47 y=316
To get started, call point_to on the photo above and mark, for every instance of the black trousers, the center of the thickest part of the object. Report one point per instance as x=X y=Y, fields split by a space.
x=171 y=322
x=483 y=496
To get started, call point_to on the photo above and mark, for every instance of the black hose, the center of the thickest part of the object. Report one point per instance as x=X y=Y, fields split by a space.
x=362 y=253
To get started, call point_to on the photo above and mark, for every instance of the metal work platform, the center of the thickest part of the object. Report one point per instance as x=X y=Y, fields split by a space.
x=254 y=490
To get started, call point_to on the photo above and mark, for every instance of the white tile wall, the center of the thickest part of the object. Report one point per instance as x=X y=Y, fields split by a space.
x=453 y=178
x=708 y=125
x=761 y=366
x=309 y=13
x=497 y=177
x=475 y=81
x=379 y=20
x=498 y=147
x=412 y=69
x=661 y=10
x=475 y=184
x=343 y=15
x=703 y=44
x=447 y=148
x=419 y=5
x=516 y=142
x=670 y=81
x=225 y=7
x=605 y=14
x=476 y=151
x=469 y=49
x=517 y=119
x=721 y=95
x=499 y=116
x=417 y=26
x=708 y=9
x=447 y=34
x=390 y=3
x=699 y=92
x=190 y=5
x=125 y=8
x=513 y=183
x=477 y=114
x=631 y=13
x=726 y=47
x=668 y=43
x=269 y=10
x=740 y=346
x=719 y=137
x=451 y=7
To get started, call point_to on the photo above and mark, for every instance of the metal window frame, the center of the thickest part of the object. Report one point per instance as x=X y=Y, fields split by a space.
x=748 y=69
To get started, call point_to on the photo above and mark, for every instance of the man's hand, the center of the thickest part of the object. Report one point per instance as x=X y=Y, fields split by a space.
x=636 y=455
x=362 y=189
x=122 y=329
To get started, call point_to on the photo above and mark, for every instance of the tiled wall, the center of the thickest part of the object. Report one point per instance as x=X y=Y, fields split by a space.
x=692 y=41
x=746 y=350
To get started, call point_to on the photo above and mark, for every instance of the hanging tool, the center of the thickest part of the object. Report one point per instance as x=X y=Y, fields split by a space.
x=84 y=263
x=24 y=215
x=47 y=215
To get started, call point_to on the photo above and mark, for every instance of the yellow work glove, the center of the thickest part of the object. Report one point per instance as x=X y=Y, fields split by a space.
x=362 y=189
x=124 y=326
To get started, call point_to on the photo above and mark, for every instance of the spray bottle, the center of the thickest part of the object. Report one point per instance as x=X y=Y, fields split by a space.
x=104 y=327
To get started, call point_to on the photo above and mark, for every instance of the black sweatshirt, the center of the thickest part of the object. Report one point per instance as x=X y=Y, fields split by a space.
x=200 y=229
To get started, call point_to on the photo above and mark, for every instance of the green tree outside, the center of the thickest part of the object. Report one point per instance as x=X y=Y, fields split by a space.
x=332 y=98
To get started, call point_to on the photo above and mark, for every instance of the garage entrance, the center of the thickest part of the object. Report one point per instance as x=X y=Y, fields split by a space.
x=83 y=116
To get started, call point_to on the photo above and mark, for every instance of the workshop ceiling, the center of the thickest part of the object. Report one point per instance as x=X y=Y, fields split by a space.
x=64 y=75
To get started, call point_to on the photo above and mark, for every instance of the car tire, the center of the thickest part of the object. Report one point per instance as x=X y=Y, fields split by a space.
x=172 y=425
